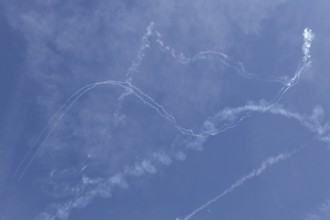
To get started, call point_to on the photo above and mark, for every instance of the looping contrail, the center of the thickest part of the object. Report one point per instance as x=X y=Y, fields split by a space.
x=214 y=125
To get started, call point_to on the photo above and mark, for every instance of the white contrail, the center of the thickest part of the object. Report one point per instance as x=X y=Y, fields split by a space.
x=131 y=89
x=232 y=117
x=306 y=64
x=53 y=122
x=49 y=124
x=269 y=162
x=59 y=114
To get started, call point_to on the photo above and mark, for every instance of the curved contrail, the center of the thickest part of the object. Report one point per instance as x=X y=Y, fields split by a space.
x=212 y=128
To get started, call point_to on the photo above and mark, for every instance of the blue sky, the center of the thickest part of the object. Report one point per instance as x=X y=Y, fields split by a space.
x=164 y=110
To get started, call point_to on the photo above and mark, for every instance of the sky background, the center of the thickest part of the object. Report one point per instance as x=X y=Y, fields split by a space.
x=164 y=110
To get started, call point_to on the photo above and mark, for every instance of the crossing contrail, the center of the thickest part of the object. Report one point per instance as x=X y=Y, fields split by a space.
x=213 y=125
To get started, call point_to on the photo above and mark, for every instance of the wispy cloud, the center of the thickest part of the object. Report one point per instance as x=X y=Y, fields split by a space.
x=322 y=212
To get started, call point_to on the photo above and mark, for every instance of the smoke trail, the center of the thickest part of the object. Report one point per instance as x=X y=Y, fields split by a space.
x=49 y=124
x=222 y=121
x=308 y=36
x=48 y=129
x=230 y=117
x=266 y=164
x=103 y=187
x=141 y=53
x=73 y=99
x=131 y=89
x=59 y=114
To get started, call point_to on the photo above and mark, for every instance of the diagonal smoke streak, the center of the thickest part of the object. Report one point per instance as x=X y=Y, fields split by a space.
x=212 y=126
x=103 y=187
x=145 y=44
x=266 y=164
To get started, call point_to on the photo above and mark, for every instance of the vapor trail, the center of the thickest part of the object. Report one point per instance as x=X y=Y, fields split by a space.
x=308 y=37
x=64 y=108
x=131 y=89
x=224 y=120
x=55 y=118
x=268 y=163
x=141 y=53
x=231 y=117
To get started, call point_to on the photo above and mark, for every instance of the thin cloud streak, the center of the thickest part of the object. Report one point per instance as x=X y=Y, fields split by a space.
x=322 y=212
x=266 y=164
